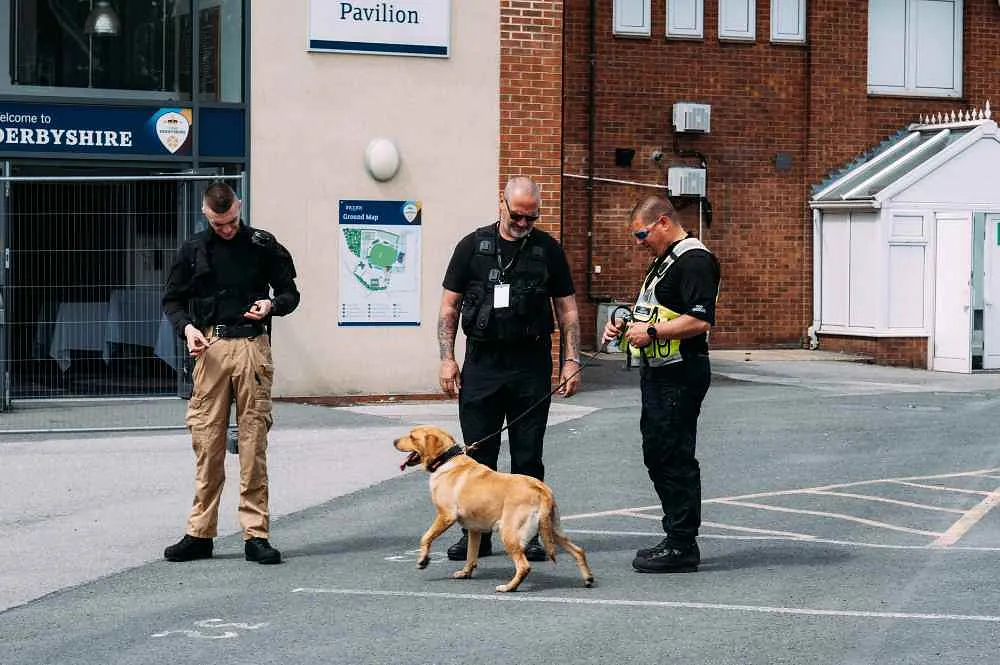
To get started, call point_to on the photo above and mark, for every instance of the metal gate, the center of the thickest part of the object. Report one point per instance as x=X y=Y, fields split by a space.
x=82 y=265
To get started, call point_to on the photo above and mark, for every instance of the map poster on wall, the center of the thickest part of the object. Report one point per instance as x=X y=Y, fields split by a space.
x=379 y=263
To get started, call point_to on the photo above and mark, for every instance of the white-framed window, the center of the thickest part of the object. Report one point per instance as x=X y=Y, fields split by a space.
x=788 y=21
x=915 y=47
x=631 y=18
x=737 y=20
x=686 y=19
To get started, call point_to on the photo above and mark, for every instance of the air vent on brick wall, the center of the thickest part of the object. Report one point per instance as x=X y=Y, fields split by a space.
x=686 y=181
x=690 y=117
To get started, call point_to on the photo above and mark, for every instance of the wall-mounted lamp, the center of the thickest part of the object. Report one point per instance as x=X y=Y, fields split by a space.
x=382 y=159
x=102 y=21
x=624 y=156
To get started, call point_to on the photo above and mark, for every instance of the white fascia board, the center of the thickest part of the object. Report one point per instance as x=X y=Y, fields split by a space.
x=869 y=165
x=870 y=332
x=862 y=204
x=930 y=165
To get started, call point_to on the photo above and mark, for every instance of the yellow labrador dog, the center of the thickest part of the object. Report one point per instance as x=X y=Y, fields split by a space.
x=481 y=499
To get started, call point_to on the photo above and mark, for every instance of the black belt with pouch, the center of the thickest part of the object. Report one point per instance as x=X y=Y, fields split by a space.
x=239 y=330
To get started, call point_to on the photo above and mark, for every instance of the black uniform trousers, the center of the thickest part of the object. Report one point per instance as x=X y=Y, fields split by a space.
x=671 y=403
x=500 y=382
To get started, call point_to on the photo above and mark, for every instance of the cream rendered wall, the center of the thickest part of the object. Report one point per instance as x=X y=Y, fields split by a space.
x=312 y=115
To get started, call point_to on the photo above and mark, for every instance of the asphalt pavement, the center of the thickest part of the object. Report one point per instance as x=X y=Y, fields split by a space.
x=848 y=518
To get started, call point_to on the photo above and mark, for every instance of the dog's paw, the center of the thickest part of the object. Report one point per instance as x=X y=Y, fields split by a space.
x=589 y=582
x=461 y=574
x=423 y=563
x=505 y=588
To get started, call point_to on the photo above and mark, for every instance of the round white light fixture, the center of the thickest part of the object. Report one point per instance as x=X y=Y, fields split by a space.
x=382 y=159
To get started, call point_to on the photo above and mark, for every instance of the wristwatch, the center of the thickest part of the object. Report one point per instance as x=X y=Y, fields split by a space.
x=651 y=331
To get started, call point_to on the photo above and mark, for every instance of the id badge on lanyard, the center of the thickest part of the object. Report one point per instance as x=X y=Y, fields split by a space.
x=501 y=296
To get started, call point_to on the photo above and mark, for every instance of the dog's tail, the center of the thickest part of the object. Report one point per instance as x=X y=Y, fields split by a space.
x=548 y=520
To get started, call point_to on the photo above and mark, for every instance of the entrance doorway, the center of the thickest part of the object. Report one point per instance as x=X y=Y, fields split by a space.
x=84 y=262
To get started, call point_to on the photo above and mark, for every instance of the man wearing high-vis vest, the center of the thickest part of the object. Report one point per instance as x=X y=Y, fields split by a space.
x=667 y=337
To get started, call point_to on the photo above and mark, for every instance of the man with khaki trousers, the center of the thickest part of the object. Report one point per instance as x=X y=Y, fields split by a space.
x=218 y=297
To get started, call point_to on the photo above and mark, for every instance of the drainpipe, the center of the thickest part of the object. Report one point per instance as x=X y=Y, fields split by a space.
x=591 y=129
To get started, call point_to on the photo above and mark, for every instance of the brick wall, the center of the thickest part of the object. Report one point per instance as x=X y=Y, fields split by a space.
x=807 y=102
x=897 y=351
x=531 y=104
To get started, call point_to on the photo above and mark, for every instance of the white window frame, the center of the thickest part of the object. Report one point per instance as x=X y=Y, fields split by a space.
x=909 y=86
x=623 y=30
x=748 y=34
x=780 y=7
x=695 y=31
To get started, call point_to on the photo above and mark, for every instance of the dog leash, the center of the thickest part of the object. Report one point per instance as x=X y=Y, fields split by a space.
x=590 y=359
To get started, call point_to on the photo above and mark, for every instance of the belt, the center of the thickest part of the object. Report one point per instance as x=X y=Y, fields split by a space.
x=238 y=330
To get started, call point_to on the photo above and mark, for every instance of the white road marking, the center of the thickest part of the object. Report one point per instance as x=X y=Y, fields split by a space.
x=839 y=516
x=665 y=604
x=763 y=532
x=811 y=540
x=882 y=499
x=939 y=488
x=968 y=520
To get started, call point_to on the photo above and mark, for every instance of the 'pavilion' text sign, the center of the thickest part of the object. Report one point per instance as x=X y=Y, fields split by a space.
x=400 y=27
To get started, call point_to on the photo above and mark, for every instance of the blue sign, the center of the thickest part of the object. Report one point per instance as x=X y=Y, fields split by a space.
x=407 y=213
x=95 y=130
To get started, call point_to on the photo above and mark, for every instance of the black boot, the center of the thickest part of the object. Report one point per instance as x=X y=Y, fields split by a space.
x=534 y=551
x=668 y=557
x=260 y=550
x=189 y=548
x=460 y=550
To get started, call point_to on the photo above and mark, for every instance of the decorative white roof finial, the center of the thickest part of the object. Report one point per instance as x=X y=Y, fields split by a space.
x=988 y=112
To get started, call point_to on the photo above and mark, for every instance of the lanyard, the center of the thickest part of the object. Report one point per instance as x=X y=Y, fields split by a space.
x=513 y=259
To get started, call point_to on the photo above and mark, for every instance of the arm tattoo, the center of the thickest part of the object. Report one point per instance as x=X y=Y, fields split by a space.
x=571 y=339
x=447 y=329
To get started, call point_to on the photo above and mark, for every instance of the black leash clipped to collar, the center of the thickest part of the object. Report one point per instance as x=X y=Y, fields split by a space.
x=438 y=461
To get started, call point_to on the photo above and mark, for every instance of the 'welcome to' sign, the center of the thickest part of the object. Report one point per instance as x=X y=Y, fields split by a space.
x=400 y=27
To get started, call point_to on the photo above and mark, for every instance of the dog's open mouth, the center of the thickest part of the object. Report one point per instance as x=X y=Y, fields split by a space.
x=412 y=460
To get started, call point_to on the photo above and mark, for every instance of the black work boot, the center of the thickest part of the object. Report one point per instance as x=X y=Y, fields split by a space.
x=460 y=550
x=259 y=550
x=668 y=557
x=189 y=548
x=534 y=551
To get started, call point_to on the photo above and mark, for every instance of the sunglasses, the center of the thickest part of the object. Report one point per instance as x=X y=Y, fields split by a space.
x=643 y=233
x=517 y=216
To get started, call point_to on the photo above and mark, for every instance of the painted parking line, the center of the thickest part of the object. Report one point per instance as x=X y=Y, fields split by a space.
x=936 y=484
x=661 y=604
x=806 y=539
x=968 y=520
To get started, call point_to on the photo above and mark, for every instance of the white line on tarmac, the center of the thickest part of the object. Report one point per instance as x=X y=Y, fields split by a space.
x=968 y=520
x=858 y=483
x=667 y=604
x=810 y=540
x=882 y=499
x=939 y=488
x=839 y=516
x=762 y=532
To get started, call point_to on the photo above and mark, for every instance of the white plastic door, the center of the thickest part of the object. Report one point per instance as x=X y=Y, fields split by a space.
x=953 y=294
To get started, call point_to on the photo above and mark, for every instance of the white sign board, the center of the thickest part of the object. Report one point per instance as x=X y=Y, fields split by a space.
x=400 y=27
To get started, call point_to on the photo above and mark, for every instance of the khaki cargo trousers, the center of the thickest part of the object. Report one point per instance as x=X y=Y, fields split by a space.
x=239 y=367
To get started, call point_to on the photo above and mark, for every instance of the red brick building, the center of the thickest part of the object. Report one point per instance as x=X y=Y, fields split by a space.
x=793 y=98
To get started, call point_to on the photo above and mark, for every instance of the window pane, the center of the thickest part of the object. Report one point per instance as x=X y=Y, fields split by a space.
x=887 y=42
x=51 y=47
x=935 y=21
x=220 y=48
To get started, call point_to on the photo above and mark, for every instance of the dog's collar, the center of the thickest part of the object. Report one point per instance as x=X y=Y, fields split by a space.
x=438 y=461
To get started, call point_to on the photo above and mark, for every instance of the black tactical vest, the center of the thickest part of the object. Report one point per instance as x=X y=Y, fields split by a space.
x=529 y=313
